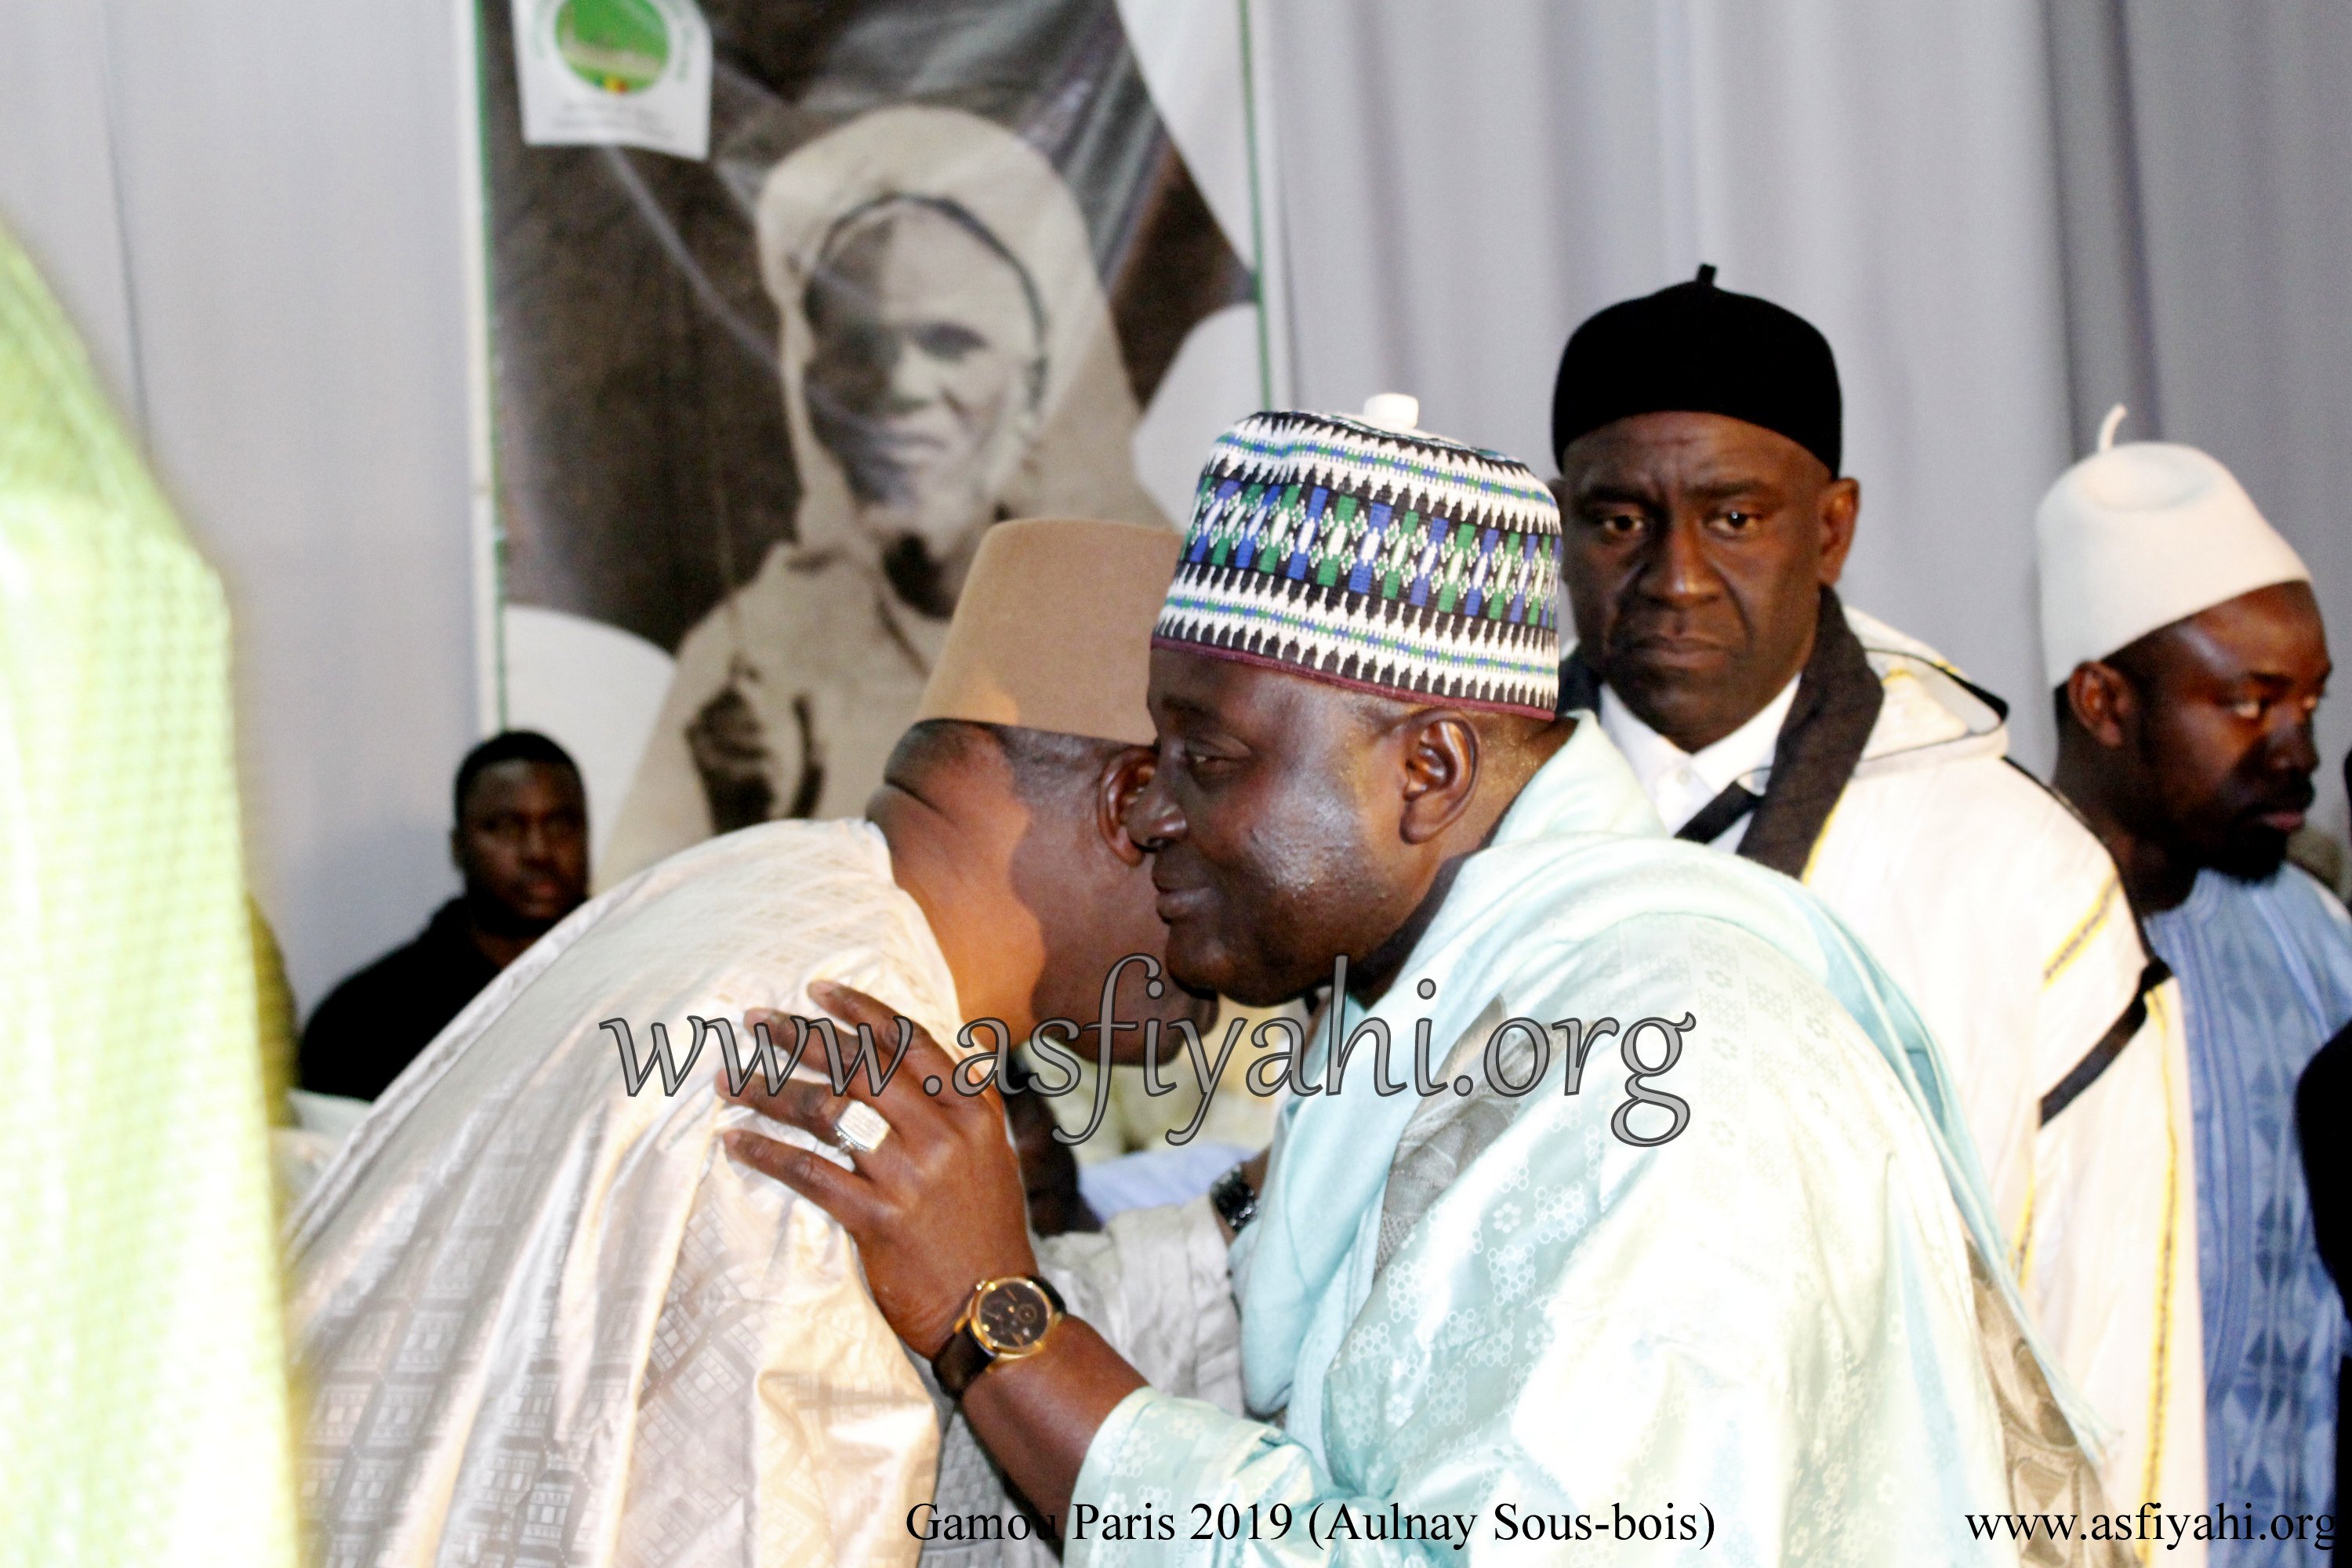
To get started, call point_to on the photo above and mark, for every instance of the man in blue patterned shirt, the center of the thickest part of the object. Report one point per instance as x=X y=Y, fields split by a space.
x=2186 y=649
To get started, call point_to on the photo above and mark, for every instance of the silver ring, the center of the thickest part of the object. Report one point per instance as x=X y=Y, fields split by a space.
x=860 y=1128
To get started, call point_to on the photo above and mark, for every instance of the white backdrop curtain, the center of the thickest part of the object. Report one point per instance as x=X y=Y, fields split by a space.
x=2005 y=215
x=250 y=210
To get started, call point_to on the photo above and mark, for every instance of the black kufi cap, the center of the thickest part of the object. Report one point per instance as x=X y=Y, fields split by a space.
x=1699 y=349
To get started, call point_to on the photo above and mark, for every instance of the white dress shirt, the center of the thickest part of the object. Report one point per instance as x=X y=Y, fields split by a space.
x=1679 y=783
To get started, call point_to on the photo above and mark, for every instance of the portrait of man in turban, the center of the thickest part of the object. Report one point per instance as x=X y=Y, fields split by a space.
x=924 y=384
x=947 y=361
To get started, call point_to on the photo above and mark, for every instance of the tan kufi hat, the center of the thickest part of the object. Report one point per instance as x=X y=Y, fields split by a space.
x=2137 y=536
x=1054 y=630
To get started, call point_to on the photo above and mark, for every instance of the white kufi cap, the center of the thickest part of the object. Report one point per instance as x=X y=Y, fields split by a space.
x=2141 y=535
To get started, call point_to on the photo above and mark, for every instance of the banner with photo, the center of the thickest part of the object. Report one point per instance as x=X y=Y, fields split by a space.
x=786 y=304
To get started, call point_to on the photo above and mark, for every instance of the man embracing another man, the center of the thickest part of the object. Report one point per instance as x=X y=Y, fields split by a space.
x=1684 y=1230
x=538 y=1318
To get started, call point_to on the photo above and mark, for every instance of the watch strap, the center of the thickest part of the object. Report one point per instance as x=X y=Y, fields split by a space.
x=961 y=1360
x=1235 y=1200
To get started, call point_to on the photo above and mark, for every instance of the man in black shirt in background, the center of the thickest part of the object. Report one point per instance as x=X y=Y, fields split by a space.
x=521 y=843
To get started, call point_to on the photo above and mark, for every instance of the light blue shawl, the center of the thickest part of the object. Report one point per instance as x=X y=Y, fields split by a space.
x=1579 y=851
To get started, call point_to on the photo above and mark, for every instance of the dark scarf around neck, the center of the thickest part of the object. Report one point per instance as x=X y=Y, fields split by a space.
x=1820 y=742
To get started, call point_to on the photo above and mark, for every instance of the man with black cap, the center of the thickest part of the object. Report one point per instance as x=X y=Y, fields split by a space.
x=1708 y=518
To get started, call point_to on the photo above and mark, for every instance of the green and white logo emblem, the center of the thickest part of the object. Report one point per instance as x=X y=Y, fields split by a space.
x=633 y=73
x=620 y=46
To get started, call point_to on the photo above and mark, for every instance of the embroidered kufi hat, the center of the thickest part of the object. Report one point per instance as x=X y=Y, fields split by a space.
x=1373 y=556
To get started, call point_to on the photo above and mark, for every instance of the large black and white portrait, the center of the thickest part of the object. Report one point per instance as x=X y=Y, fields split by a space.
x=946 y=362
x=944 y=266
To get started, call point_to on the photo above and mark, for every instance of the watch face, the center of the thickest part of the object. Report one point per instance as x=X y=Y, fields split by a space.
x=1011 y=1317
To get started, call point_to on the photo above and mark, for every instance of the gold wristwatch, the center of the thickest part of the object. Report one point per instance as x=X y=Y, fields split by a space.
x=1006 y=1320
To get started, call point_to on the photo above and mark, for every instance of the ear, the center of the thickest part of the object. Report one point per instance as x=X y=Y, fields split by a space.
x=1122 y=779
x=2103 y=703
x=457 y=849
x=1440 y=771
x=1840 y=510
